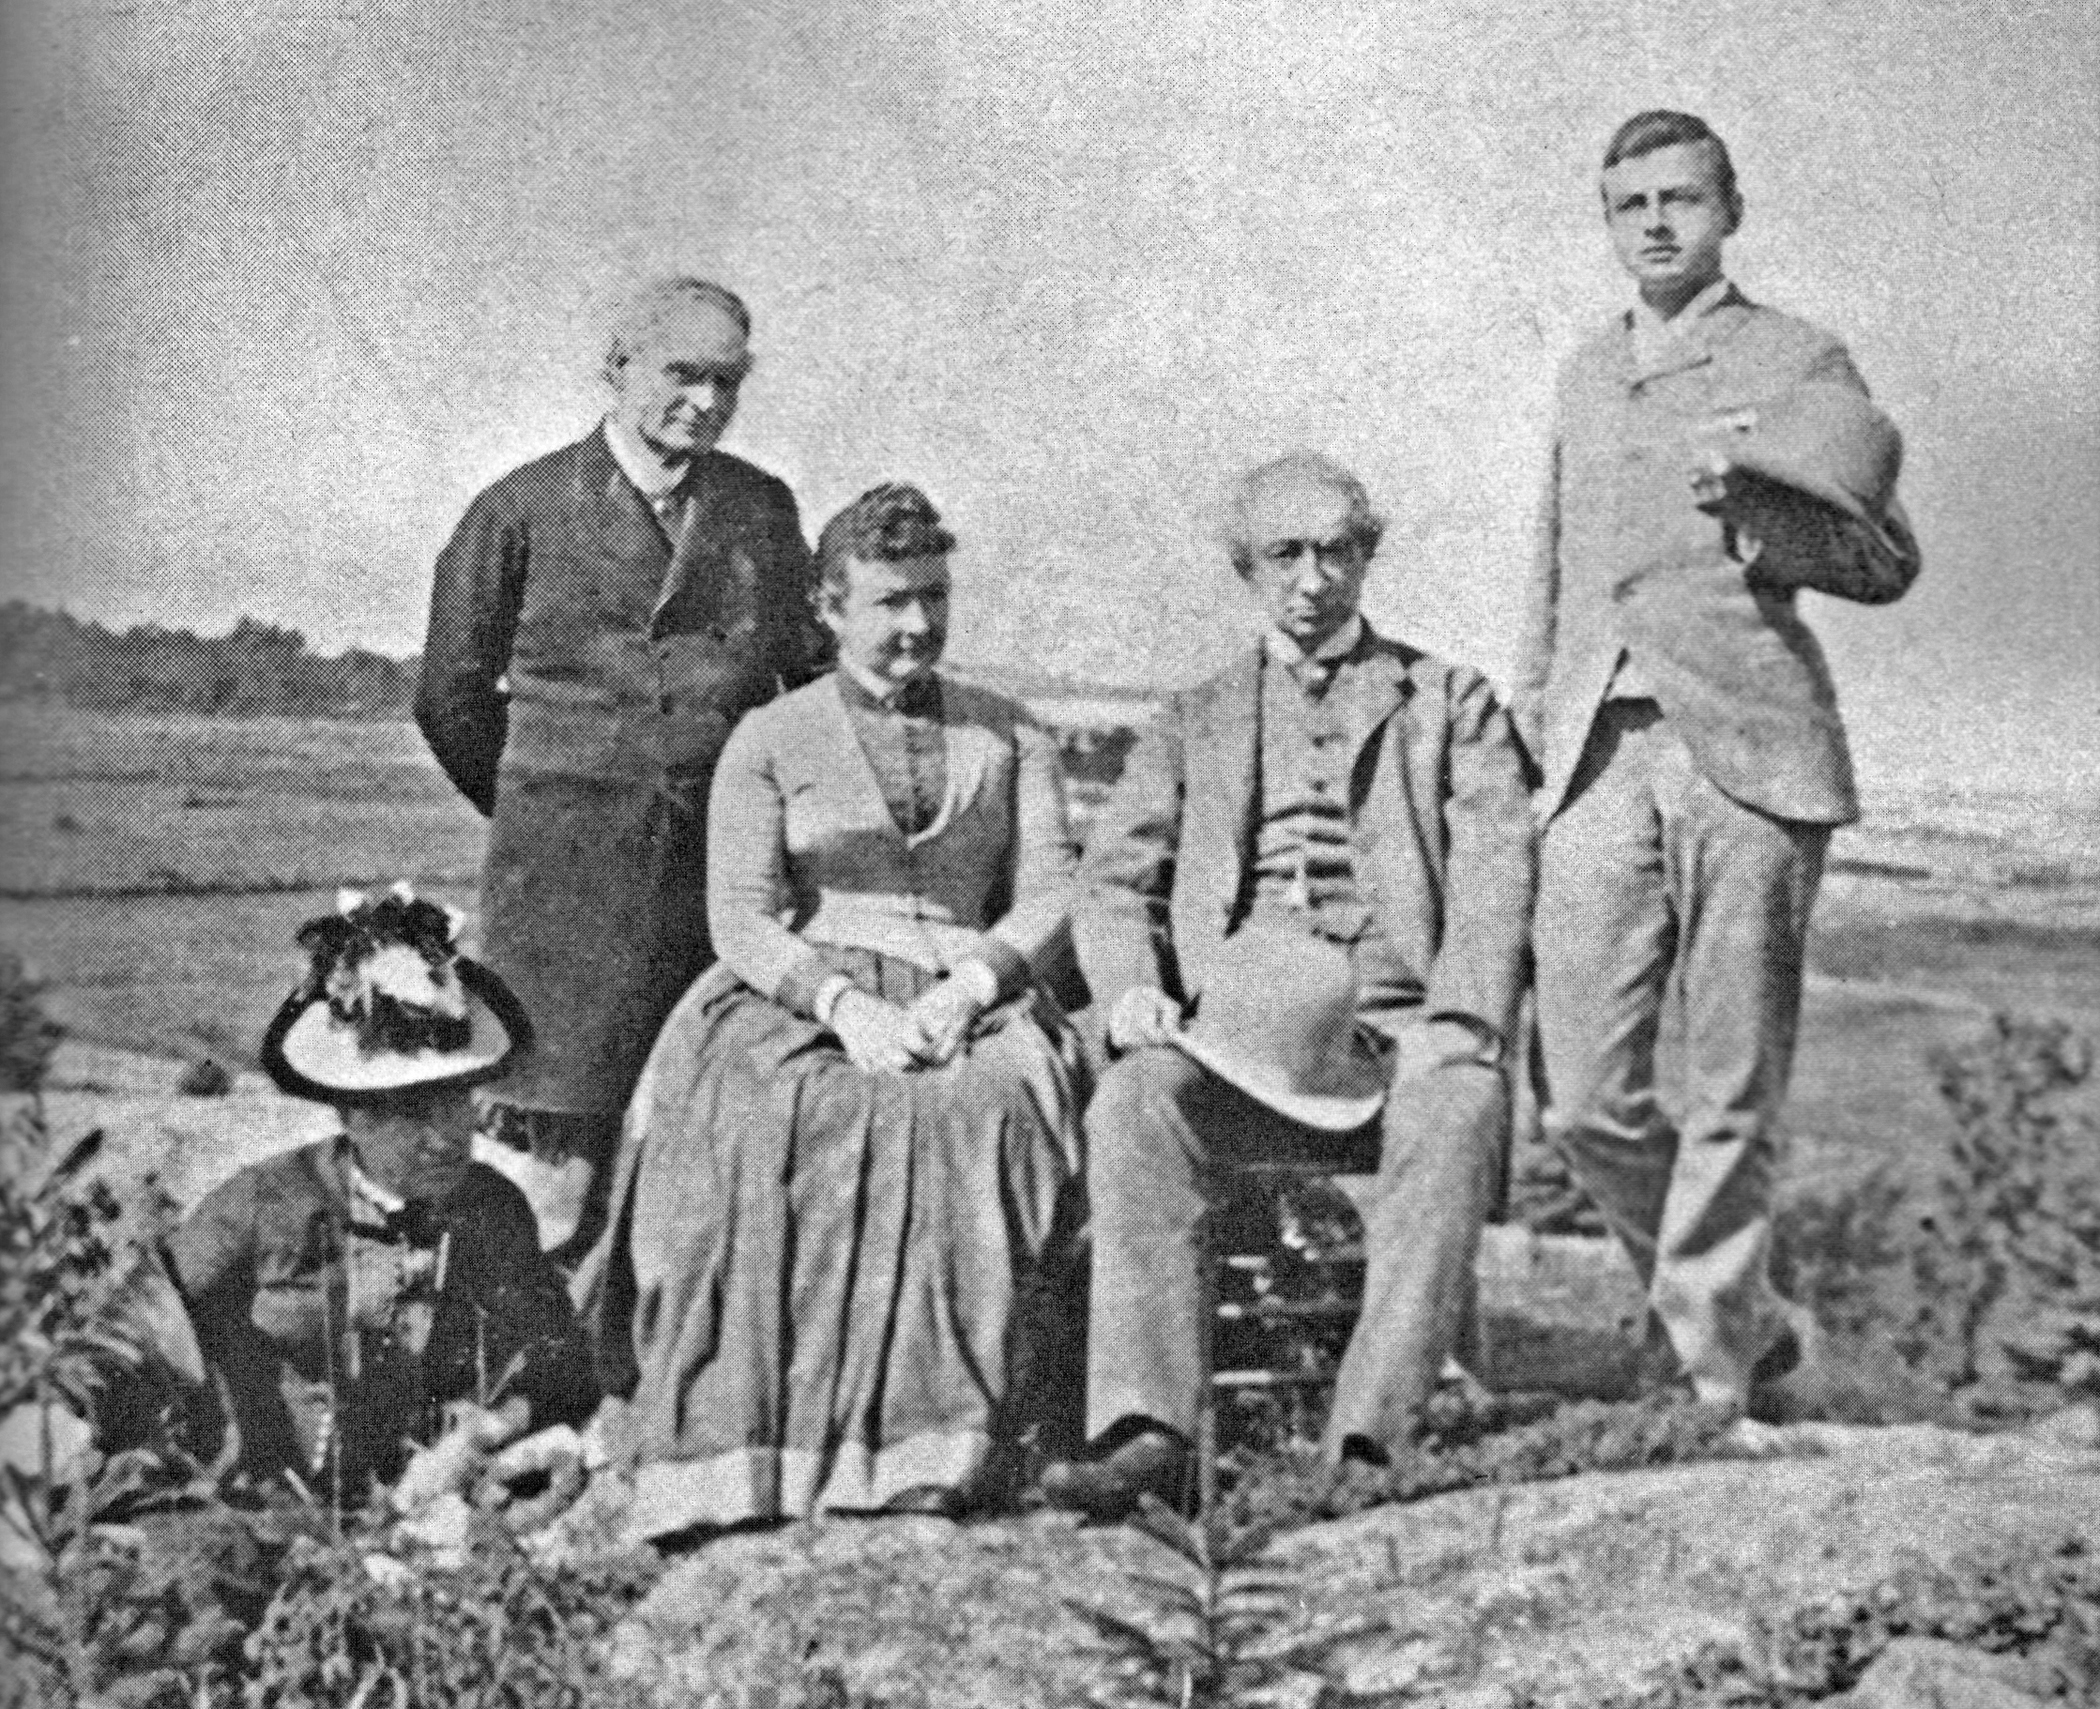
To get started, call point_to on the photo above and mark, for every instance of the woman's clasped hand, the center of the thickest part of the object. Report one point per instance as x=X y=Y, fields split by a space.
x=888 y=1038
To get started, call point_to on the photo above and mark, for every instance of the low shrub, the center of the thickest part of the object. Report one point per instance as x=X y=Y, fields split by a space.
x=348 y=1627
x=29 y=1037
x=67 y=1240
x=1281 y=1488
x=2040 y=1602
x=1977 y=1291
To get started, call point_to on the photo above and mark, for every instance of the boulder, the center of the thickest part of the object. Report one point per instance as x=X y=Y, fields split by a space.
x=1548 y=1594
x=1930 y=1673
x=1564 y=1313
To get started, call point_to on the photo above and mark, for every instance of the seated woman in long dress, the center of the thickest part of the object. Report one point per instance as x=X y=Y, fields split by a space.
x=854 y=1134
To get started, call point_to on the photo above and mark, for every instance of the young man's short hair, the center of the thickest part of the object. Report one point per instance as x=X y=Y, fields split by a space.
x=1659 y=128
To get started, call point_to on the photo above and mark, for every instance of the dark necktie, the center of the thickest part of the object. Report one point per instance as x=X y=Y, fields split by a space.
x=669 y=506
x=415 y=1224
x=1314 y=676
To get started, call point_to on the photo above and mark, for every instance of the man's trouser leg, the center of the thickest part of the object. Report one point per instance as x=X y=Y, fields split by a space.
x=1158 y=1127
x=1439 y=1168
x=1649 y=868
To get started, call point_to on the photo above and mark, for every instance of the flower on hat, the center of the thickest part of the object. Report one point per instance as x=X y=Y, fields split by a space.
x=388 y=967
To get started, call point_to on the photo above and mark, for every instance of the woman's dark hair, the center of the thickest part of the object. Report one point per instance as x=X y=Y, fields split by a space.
x=885 y=524
x=1659 y=128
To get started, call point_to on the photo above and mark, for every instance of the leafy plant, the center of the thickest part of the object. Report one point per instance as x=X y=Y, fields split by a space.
x=2040 y=1602
x=1276 y=1490
x=347 y=1628
x=109 y=1618
x=153 y=1582
x=2006 y=1278
x=1227 y=1627
x=67 y=1244
x=29 y=1037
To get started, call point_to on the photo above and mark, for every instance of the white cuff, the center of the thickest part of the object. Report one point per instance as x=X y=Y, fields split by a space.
x=824 y=1004
x=978 y=980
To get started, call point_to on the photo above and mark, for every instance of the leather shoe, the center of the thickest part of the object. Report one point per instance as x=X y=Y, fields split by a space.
x=1110 y=1486
x=1788 y=1380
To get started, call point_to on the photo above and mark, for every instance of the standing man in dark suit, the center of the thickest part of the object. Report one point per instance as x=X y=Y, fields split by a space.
x=1711 y=458
x=600 y=620
x=1303 y=914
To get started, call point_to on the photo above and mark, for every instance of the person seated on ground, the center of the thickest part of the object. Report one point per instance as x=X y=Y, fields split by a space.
x=854 y=1138
x=373 y=1306
x=1303 y=911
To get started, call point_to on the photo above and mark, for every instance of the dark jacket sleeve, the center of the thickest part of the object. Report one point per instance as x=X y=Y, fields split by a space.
x=474 y=603
x=1490 y=863
x=1120 y=924
x=212 y=1259
x=526 y=1339
x=807 y=650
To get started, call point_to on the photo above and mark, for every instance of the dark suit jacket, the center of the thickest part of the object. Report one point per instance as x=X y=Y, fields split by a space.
x=579 y=682
x=1626 y=563
x=567 y=637
x=1440 y=817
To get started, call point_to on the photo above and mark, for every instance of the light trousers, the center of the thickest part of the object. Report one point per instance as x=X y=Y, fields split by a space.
x=1162 y=1128
x=1650 y=877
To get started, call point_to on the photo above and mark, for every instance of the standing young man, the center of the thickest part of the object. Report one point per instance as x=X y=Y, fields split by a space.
x=600 y=620
x=1711 y=458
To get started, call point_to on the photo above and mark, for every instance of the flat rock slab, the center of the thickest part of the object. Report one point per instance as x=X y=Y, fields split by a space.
x=188 y=1145
x=1562 y=1590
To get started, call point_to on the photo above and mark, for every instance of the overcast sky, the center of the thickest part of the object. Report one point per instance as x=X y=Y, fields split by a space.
x=287 y=281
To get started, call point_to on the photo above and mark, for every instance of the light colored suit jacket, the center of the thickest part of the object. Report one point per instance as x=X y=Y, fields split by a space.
x=1627 y=565
x=1440 y=822
x=802 y=849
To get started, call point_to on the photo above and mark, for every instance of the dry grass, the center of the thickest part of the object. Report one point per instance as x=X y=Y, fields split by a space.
x=152 y=870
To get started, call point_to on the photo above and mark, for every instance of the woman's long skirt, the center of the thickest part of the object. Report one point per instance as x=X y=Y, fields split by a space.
x=812 y=1273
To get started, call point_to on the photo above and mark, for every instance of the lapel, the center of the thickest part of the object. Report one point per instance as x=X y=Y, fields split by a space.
x=1223 y=757
x=689 y=556
x=1695 y=347
x=1375 y=681
x=635 y=557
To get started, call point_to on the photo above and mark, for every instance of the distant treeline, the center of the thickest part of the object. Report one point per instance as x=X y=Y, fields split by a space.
x=255 y=668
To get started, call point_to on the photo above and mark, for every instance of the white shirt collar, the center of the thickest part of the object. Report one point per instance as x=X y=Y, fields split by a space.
x=652 y=476
x=381 y=1198
x=882 y=690
x=1339 y=645
x=1653 y=336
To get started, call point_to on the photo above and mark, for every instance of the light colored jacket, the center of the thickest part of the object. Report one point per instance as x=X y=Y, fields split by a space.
x=1626 y=565
x=802 y=849
x=1440 y=828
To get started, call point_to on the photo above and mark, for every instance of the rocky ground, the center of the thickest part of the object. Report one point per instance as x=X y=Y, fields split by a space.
x=1552 y=1593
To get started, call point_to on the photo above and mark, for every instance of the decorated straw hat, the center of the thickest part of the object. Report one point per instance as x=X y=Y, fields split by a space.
x=1278 y=1020
x=389 y=1005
